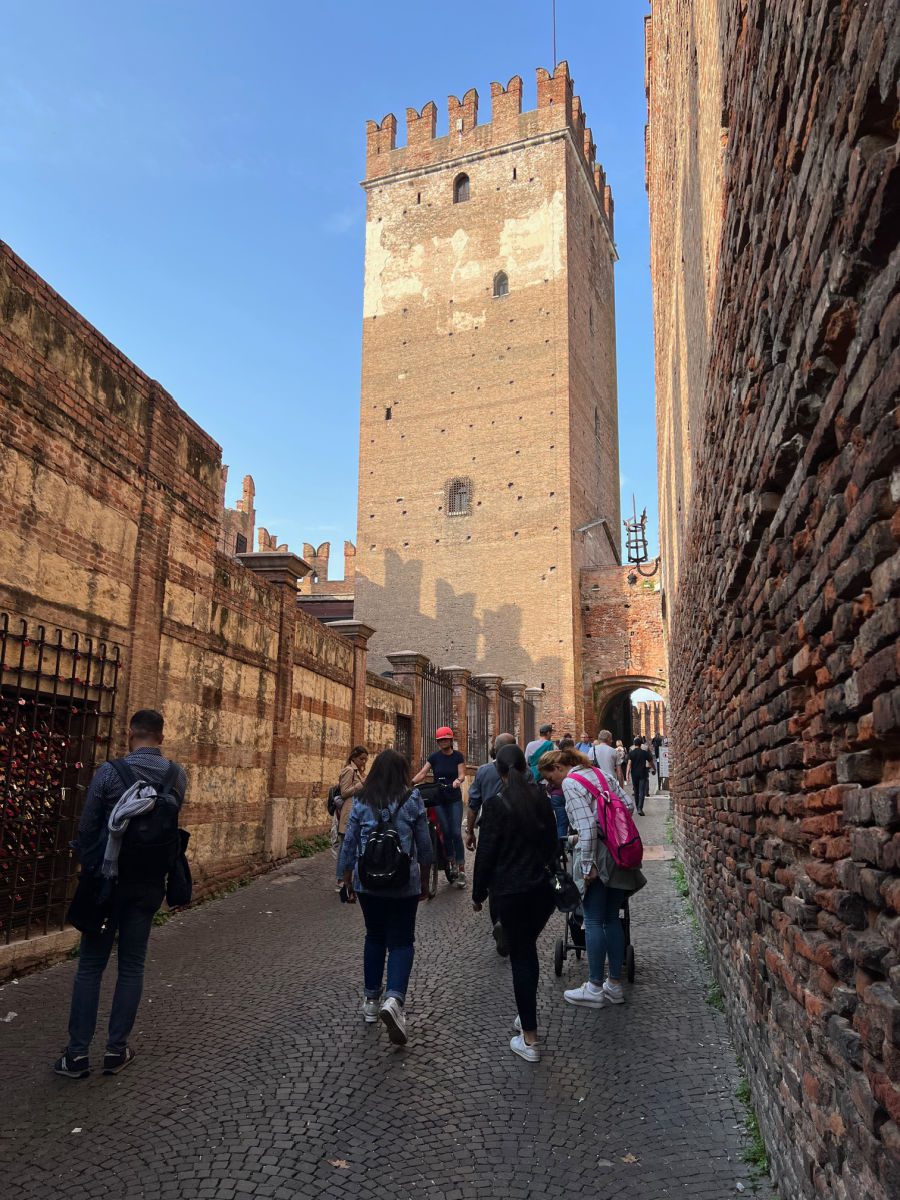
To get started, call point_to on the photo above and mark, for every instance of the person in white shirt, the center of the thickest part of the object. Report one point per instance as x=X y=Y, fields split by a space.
x=603 y=755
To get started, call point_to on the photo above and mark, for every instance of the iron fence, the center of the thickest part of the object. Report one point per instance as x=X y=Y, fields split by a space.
x=508 y=713
x=477 y=747
x=57 y=700
x=530 y=722
x=437 y=706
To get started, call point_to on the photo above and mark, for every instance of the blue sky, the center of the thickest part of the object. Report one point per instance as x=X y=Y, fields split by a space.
x=186 y=173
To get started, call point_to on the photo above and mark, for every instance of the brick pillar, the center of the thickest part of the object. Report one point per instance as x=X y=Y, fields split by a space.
x=491 y=684
x=460 y=677
x=358 y=634
x=407 y=668
x=517 y=687
x=282 y=571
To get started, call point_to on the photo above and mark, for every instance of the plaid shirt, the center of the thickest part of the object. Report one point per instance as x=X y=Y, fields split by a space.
x=581 y=809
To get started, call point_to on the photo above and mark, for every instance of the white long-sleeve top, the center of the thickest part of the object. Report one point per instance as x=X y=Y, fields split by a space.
x=581 y=809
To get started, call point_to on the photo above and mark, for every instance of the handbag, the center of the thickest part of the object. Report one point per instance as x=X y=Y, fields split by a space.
x=566 y=895
x=179 y=884
x=92 y=904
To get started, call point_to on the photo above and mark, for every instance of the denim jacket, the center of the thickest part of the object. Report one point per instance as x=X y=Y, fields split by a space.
x=411 y=824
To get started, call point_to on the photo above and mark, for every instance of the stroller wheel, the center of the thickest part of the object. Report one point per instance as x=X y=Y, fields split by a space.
x=629 y=963
x=433 y=880
x=559 y=954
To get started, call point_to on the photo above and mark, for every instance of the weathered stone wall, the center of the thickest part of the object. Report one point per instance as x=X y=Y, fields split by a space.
x=110 y=514
x=773 y=181
x=385 y=701
x=623 y=647
x=514 y=393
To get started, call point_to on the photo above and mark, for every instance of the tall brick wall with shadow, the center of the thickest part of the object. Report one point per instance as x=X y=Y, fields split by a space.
x=775 y=204
x=110 y=517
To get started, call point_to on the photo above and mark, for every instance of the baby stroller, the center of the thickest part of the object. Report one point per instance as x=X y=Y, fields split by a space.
x=572 y=939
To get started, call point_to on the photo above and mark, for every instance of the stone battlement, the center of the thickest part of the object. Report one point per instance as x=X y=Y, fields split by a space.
x=558 y=109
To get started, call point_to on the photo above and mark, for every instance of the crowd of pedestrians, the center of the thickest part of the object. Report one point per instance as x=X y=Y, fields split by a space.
x=533 y=816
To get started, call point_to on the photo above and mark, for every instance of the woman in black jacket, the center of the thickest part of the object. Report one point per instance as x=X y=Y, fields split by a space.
x=516 y=845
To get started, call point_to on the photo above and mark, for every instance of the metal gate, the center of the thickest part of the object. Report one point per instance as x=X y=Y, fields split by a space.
x=57 y=699
x=508 y=713
x=477 y=749
x=437 y=706
x=530 y=722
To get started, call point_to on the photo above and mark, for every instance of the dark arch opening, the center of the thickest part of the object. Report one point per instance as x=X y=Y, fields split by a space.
x=460 y=189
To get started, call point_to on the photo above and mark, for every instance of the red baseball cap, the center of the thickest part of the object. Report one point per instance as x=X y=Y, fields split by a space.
x=444 y=732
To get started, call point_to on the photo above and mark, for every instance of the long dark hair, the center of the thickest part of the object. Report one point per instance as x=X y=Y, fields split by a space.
x=387 y=780
x=528 y=803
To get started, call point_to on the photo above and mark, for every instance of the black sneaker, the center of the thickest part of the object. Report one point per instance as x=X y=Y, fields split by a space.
x=500 y=939
x=73 y=1068
x=114 y=1063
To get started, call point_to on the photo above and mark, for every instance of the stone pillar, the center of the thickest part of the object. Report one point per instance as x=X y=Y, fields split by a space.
x=282 y=571
x=358 y=634
x=536 y=695
x=407 y=668
x=460 y=677
x=491 y=684
x=517 y=687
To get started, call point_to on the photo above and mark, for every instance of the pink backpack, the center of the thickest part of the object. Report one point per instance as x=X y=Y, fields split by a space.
x=617 y=829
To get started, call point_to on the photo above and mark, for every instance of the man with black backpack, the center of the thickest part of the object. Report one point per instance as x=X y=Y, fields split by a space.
x=128 y=842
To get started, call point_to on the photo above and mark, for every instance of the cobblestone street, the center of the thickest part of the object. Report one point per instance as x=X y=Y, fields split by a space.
x=255 y=1075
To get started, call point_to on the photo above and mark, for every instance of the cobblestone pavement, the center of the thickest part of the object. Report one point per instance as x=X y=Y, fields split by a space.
x=255 y=1075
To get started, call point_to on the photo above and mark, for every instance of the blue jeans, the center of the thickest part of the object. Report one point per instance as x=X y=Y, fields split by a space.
x=450 y=820
x=604 y=933
x=390 y=932
x=132 y=919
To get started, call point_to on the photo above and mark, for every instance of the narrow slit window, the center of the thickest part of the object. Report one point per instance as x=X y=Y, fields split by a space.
x=460 y=189
x=501 y=284
x=388 y=413
x=514 y=174
x=459 y=498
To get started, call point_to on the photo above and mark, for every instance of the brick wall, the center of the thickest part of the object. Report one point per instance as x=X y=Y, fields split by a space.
x=773 y=181
x=110 y=515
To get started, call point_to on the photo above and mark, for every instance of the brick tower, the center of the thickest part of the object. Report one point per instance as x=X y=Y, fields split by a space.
x=488 y=429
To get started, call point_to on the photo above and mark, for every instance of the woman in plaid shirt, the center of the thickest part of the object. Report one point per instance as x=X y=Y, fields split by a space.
x=605 y=883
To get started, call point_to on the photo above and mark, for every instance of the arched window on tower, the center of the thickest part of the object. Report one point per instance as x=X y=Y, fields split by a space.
x=460 y=189
x=459 y=497
x=501 y=284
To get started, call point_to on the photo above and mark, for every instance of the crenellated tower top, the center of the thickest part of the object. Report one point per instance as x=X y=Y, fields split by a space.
x=558 y=111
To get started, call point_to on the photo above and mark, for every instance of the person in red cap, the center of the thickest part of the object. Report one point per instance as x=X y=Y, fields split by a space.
x=448 y=767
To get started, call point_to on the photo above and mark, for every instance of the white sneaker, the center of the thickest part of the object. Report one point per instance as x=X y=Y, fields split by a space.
x=370 y=1010
x=519 y=1046
x=587 y=996
x=460 y=880
x=613 y=992
x=391 y=1013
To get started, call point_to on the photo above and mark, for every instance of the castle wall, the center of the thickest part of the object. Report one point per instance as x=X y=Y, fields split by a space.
x=458 y=383
x=773 y=182
x=110 y=514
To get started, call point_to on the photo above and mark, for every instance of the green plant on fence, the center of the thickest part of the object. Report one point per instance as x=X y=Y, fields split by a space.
x=307 y=847
x=161 y=917
x=754 y=1153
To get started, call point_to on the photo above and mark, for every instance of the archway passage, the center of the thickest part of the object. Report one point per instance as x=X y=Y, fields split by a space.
x=612 y=703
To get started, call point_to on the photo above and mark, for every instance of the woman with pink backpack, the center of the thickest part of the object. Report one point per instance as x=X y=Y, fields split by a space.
x=610 y=851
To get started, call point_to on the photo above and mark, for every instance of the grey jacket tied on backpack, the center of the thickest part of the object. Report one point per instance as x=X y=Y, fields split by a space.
x=411 y=824
x=139 y=798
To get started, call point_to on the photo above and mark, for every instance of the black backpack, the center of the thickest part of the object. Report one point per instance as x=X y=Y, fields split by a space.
x=333 y=802
x=151 y=843
x=384 y=863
